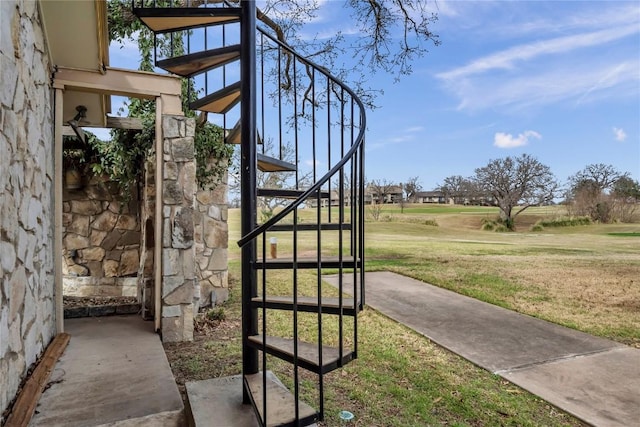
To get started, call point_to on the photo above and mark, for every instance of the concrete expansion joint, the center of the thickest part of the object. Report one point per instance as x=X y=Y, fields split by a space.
x=565 y=358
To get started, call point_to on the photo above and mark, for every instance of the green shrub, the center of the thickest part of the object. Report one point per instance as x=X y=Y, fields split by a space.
x=568 y=221
x=431 y=222
x=501 y=228
x=488 y=225
x=216 y=314
x=537 y=227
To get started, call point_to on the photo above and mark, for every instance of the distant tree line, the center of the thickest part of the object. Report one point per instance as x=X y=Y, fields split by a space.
x=514 y=184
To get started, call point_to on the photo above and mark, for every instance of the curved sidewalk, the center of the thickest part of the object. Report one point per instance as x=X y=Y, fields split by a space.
x=594 y=379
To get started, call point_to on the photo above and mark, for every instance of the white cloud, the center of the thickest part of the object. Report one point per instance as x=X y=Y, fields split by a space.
x=506 y=140
x=589 y=18
x=402 y=136
x=413 y=129
x=507 y=59
x=620 y=134
x=583 y=81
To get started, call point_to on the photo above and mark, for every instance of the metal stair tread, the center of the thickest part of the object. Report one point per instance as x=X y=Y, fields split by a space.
x=271 y=164
x=165 y=19
x=308 y=262
x=235 y=134
x=280 y=402
x=287 y=193
x=220 y=101
x=330 y=305
x=308 y=353
x=199 y=62
x=305 y=226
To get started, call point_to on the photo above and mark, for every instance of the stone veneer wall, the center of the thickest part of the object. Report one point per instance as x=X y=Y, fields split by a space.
x=178 y=249
x=147 y=244
x=101 y=242
x=212 y=240
x=27 y=316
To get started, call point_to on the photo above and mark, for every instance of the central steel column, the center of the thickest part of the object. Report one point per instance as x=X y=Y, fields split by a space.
x=248 y=193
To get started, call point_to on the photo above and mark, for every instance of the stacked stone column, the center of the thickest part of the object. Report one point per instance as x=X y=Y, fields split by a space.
x=178 y=249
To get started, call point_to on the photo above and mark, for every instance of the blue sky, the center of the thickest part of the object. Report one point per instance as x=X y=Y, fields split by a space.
x=557 y=80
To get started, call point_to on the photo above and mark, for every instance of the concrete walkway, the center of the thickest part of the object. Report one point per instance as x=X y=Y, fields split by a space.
x=594 y=379
x=114 y=372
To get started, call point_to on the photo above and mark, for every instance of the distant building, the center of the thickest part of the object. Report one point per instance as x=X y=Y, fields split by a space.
x=431 y=197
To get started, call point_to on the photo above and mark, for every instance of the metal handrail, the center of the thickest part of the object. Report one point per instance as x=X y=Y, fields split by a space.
x=359 y=140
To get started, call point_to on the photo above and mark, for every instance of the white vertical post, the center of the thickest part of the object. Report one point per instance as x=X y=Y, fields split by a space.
x=157 y=250
x=57 y=211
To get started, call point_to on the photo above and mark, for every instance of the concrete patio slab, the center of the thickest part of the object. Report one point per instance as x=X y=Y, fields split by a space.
x=114 y=372
x=595 y=379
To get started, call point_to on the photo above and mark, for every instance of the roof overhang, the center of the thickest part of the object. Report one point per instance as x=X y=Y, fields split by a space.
x=78 y=38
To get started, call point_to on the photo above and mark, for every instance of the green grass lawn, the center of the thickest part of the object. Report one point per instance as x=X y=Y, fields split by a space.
x=584 y=277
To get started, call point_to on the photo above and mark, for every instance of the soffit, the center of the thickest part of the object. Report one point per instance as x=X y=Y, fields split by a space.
x=77 y=37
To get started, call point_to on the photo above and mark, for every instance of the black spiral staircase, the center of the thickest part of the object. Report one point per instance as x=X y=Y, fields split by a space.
x=290 y=117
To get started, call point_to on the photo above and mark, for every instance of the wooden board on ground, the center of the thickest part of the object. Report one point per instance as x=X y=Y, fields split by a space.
x=28 y=398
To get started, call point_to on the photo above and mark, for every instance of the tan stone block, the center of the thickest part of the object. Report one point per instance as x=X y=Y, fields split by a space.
x=170 y=170
x=171 y=329
x=170 y=126
x=77 y=270
x=111 y=240
x=187 y=180
x=96 y=237
x=110 y=268
x=95 y=268
x=216 y=234
x=182 y=295
x=187 y=322
x=130 y=238
x=129 y=262
x=205 y=197
x=79 y=225
x=172 y=194
x=105 y=221
x=189 y=263
x=218 y=260
x=220 y=194
x=182 y=149
x=74 y=241
x=170 y=262
x=214 y=212
x=85 y=207
x=66 y=219
x=182 y=230
x=18 y=288
x=127 y=222
x=95 y=253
